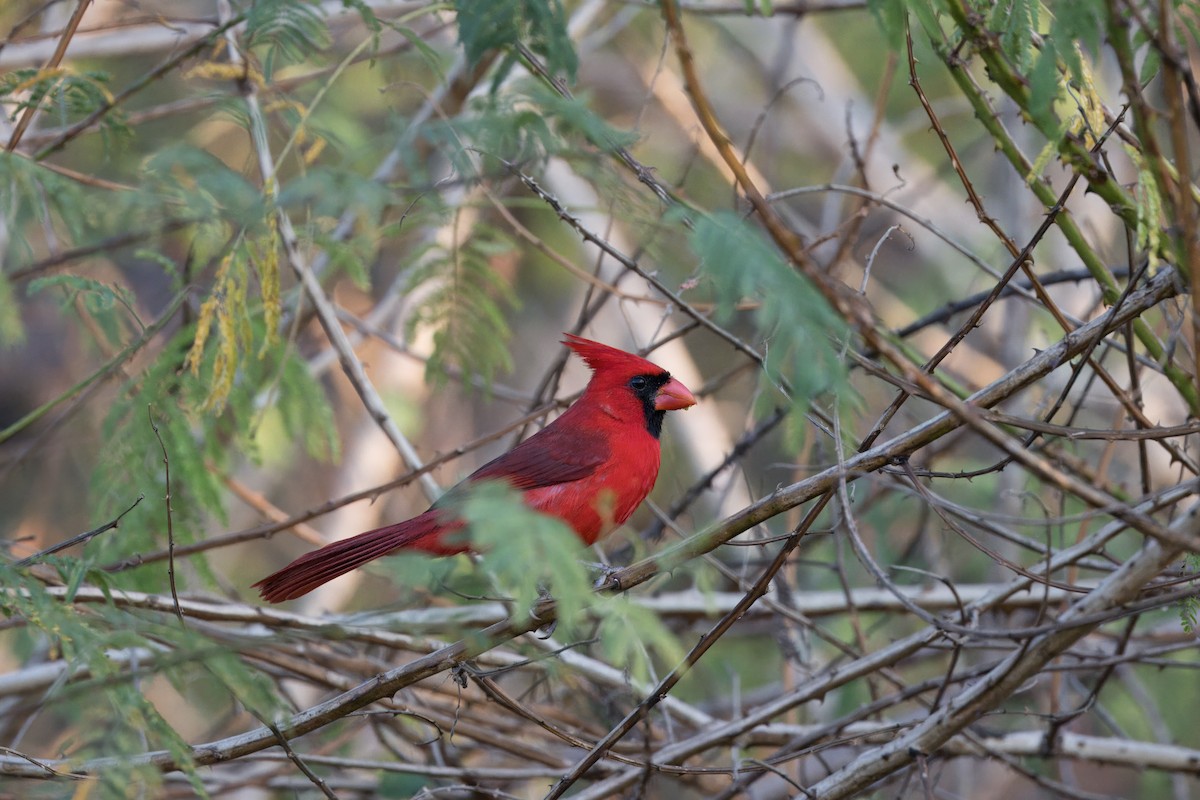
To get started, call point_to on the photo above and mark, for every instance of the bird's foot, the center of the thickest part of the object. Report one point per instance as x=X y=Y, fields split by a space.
x=604 y=572
x=546 y=630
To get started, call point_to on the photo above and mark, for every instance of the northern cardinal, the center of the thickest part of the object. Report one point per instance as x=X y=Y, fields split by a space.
x=591 y=467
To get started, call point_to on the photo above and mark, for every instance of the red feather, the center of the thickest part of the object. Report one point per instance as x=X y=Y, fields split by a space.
x=591 y=467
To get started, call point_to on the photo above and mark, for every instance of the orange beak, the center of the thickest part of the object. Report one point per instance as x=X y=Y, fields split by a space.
x=673 y=396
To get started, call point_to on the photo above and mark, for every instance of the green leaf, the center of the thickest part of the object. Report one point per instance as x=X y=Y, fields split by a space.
x=285 y=29
x=572 y=117
x=132 y=460
x=927 y=15
x=504 y=127
x=1151 y=57
x=1017 y=21
x=1150 y=214
x=1189 y=607
x=890 y=15
x=465 y=306
x=524 y=125
x=526 y=552
x=108 y=305
x=330 y=192
x=1077 y=26
x=430 y=56
x=503 y=24
x=203 y=184
x=12 y=331
x=631 y=634
x=1044 y=87
x=33 y=196
x=367 y=14
x=800 y=331
x=307 y=415
x=64 y=96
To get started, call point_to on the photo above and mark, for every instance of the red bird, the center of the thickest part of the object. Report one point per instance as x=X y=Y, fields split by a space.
x=591 y=468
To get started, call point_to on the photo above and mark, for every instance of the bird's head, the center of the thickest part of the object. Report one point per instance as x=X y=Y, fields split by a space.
x=626 y=384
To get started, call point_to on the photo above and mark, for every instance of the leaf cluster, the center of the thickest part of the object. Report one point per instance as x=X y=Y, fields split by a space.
x=802 y=336
x=541 y=25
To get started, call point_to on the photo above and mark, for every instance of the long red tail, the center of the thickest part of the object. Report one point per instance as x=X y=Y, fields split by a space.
x=310 y=570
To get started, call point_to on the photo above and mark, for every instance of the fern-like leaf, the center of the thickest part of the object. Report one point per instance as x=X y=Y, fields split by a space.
x=541 y=25
x=464 y=306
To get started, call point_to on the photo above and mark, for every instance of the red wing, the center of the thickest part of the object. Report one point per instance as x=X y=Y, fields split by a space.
x=553 y=455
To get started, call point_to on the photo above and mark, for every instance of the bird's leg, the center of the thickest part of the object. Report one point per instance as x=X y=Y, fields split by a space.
x=604 y=572
x=547 y=630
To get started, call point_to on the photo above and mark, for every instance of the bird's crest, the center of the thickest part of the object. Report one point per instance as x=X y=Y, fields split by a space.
x=604 y=359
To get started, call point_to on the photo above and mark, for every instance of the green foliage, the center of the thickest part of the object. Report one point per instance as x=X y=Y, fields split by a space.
x=64 y=95
x=523 y=126
x=109 y=306
x=34 y=197
x=801 y=334
x=573 y=119
x=11 y=330
x=465 y=298
x=1150 y=56
x=132 y=461
x=189 y=178
x=118 y=718
x=200 y=662
x=1044 y=87
x=432 y=58
x=227 y=385
x=1017 y=22
x=369 y=19
x=527 y=553
x=1189 y=608
x=891 y=16
x=541 y=25
x=499 y=127
x=330 y=192
x=633 y=638
x=349 y=257
x=228 y=312
x=1081 y=26
x=200 y=440
x=285 y=29
x=1148 y=193
x=31 y=195
x=307 y=415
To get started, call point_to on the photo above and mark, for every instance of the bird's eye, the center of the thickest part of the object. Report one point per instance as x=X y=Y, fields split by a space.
x=638 y=383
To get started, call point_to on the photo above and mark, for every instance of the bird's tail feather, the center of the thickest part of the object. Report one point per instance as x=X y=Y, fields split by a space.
x=310 y=570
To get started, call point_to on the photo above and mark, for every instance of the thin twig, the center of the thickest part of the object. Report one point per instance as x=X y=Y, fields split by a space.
x=170 y=517
x=78 y=538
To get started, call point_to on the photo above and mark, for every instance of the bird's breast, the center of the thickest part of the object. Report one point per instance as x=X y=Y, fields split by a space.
x=596 y=505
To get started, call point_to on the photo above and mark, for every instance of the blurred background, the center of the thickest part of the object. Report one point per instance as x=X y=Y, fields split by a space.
x=273 y=259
